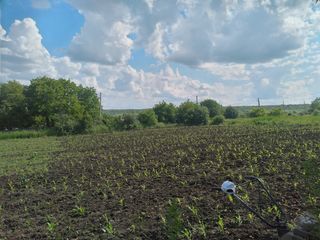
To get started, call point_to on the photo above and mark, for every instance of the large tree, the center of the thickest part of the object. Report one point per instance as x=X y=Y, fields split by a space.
x=166 y=112
x=13 y=109
x=189 y=113
x=214 y=107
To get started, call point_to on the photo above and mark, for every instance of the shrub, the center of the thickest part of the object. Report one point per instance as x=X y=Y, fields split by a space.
x=147 y=118
x=127 y=122
x=217 y=120
x=64 y=124
x=231 y=113
x=257 y=112
x=189 y=113
x=276 y=112
x=166 y=112
x=214 y=107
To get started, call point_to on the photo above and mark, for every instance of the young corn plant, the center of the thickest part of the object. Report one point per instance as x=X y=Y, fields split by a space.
x=220 y=224
x=107 y=226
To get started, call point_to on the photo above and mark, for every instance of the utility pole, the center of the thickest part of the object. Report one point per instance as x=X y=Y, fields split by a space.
x=100 y=104
x=258 y=102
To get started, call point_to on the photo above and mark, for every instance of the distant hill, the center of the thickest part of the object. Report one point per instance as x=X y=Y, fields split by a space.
x=290 y=108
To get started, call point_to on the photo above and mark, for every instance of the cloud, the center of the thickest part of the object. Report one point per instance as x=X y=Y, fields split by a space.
x=41 y=4
x=22 y=53
x=270 y=46
x=24 y=58
x=104 y=37
x=265 y=82
x=295 y=91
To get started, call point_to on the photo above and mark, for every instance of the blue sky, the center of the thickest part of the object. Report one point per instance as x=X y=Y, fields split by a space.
x=138 y=53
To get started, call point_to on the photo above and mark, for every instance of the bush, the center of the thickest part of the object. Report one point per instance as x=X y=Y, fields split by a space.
x=231 y=113
x=257 y=112
x=127 y=122
x=166 y=112
x=64 y=124
x=189 y=113
x=276 y=112
x=214 y=107
x=217 y=120
x=147 y=118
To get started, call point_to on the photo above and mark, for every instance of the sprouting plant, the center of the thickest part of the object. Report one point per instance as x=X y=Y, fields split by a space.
x=133 y=228
x=187 y=233
x=238 y=220
x=230 y=198
x=51 y=224
x=193 y=209
x=220 y=224
x=11 y=186
x=107 y=226
x=121 y=202
x=202 y=229
x=79 y=211
x=250 y=217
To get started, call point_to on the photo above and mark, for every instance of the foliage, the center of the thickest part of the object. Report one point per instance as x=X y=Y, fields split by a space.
x=166 y=112
x=276 y=112
x=217 y=120
x=127 y=122
x=147 y=118
x=230 y=113
x=315 y=105
x=13 y=109
x=189 y=113
x=48 y=103
x=214 y=107
x=257 y=112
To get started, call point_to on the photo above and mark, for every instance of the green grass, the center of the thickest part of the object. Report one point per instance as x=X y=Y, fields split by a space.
x=24 y=134
x=276 y=120
x=26 y=155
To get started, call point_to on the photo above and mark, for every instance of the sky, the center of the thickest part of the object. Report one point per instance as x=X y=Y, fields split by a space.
x=140 y=52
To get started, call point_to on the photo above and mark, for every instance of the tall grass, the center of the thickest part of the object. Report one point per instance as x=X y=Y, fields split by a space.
x=25 y=134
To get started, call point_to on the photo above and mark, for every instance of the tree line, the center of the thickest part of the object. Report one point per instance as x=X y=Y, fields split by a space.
x=64 y=107
x=187 y=113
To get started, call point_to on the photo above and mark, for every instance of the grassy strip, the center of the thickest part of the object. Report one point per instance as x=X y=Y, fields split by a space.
x=26 y=155
x=25 y=134
x=276 y=120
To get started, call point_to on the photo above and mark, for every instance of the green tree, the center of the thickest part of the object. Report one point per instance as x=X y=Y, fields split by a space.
x=315 y=105
x=147 y=118
x=62 y=104
x=13 y=109
x=189 y=113
x=214 y=107
x=166 y=112
x=231 y=112
x=90 y=105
